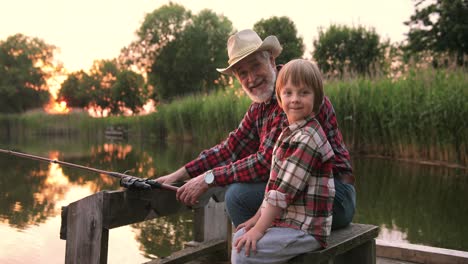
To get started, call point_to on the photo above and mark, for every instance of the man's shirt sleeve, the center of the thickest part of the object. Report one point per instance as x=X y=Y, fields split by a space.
x=241 y=157
x=342 y=161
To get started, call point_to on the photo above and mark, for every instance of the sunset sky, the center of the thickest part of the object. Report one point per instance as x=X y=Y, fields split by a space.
x=88 y=30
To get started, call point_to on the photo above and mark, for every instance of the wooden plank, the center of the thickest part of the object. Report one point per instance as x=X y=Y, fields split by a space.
x=420 y=253
x=133 y=206
x=87 y=238
x=340 y=241
x=214 y=247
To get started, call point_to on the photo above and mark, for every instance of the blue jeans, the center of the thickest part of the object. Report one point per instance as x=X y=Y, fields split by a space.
x=244 y=199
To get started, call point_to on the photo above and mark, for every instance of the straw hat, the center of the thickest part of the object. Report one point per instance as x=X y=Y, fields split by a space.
x=246 y=42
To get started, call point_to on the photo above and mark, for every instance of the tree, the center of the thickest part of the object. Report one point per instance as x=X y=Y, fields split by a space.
x=105 y=88
x=439 y=27
x=341 y=49
x=74 y=90
x=159 y=27
x=285 y=30
x=128 y=92
x=188 y=63
x=22 y=73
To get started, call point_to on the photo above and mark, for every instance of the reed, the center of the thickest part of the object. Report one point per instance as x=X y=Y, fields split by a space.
x=422 y=115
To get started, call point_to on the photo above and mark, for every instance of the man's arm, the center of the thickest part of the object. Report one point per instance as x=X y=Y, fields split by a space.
x=245 y=156
x=177 y=176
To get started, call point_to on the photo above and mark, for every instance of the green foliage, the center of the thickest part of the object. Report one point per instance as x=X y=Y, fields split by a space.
x=441 y=26
x=342 y=49
x=22 y=74
x=159 y=28
x=106 y=88
x=204 y=117
x=187 y=64
x=74 y=90
x=285 y=30
x=419 y=116
x=128 y=91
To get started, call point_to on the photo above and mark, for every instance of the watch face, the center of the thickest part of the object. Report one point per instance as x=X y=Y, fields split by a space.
x=209 y=178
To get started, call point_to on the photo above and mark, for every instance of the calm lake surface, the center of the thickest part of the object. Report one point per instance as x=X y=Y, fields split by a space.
x=417 y=204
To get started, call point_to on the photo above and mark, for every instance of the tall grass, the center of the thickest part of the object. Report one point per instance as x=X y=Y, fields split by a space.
x=420 y=116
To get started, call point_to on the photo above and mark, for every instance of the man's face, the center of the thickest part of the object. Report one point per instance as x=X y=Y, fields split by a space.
x=257 y=75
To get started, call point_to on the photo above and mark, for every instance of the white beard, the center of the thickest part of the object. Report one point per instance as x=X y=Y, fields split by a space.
x=265 y=95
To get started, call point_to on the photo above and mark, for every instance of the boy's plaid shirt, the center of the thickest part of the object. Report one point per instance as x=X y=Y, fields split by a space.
x=301 y=180
x=245 y=156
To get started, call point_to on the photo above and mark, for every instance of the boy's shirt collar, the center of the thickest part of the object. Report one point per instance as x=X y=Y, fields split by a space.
x=300 y=124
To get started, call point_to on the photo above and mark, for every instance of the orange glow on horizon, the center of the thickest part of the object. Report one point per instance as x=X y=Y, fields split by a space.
x=55 y=107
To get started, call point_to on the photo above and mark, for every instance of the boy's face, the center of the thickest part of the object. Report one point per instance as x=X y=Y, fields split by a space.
x=257 y=76
x=297 y=101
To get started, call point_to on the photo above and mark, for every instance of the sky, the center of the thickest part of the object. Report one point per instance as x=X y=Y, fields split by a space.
x=88 y=30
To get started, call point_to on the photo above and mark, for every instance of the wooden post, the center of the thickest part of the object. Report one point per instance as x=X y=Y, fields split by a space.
x=210 y=222
x=86 y=222
x=86 y=236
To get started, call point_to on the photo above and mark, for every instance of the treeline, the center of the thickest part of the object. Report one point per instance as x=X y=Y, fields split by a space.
x=176 y=54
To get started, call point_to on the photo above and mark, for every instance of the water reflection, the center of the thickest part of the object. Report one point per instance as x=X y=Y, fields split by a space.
x=27 y=197
x=425 y=203
x=162 y=236
x=34 y=192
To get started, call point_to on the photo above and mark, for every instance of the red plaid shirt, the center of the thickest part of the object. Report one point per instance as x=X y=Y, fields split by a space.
x=301 y=180
x=245 y=156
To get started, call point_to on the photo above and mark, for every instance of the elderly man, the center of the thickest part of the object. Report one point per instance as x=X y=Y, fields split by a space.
x=242 y=161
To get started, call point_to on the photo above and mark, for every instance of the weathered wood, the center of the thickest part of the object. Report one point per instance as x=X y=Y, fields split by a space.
x=133 y=206
x=209 y=216
x=86 y=236
x=86 y=222
x=213 y=247
x=63 y=224
x=356 y=244
x=420 y=253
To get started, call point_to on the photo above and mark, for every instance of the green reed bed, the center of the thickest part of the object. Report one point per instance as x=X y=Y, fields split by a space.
x=421 y=116
x=204 y=118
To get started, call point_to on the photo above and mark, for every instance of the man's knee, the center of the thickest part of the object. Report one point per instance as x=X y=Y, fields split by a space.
x=242 y=200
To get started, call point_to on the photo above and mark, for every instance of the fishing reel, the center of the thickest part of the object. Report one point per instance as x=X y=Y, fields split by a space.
x=131 y=182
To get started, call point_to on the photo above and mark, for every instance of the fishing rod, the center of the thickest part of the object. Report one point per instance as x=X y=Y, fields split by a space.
x=127 y=181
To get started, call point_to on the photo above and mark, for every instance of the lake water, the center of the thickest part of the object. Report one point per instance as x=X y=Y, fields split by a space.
x=418 y=204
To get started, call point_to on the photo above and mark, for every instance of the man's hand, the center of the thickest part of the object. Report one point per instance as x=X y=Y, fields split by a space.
x=189 y=193
x=177 y=176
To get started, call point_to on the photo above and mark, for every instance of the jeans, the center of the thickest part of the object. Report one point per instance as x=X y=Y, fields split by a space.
x=244 y=199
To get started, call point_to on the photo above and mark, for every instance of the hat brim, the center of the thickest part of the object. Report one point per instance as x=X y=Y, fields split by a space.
x=270 y=43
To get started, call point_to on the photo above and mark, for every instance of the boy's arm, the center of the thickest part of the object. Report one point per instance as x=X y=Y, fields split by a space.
x=268 y=213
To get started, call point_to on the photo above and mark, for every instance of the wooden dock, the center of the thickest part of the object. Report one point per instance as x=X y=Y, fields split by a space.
x=86 y=224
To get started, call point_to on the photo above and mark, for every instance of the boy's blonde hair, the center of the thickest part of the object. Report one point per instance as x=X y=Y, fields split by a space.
x=301 y=72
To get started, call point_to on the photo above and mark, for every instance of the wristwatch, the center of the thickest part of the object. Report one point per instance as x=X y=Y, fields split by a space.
x=209 y=178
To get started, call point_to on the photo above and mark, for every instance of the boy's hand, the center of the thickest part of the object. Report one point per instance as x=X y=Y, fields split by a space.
x=249 y=241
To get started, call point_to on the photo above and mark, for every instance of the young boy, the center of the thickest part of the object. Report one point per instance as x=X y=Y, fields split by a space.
x=296 y=213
